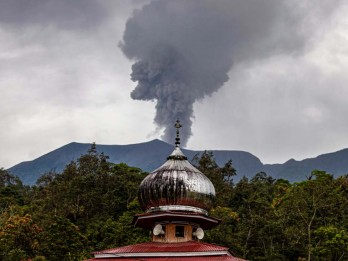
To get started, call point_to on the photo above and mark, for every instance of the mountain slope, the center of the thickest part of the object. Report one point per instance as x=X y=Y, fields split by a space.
x=150 y=155
x=147 y=156
x=335 y=163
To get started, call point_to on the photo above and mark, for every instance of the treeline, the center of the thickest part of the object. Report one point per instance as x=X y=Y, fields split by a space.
x=91 y=204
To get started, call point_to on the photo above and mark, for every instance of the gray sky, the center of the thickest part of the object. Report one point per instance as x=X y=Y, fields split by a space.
x=63 y=78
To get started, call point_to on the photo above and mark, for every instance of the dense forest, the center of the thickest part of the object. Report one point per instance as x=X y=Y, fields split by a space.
x=90 y=206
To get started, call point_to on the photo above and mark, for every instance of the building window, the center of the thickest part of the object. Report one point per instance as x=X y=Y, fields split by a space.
x=179 y=231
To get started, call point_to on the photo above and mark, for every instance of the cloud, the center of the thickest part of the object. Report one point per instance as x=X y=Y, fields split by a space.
x=183 y=50
x=284 y=106
x=64 y=14
x=63 y=77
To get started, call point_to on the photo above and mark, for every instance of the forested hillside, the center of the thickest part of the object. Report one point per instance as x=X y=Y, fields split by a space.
x=90 y=206
x=150 y=155
x=147 y=156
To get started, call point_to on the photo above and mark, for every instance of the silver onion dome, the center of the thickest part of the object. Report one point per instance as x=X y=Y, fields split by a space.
x=176 y=186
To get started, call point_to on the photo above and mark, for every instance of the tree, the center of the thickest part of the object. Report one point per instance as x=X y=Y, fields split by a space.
x=224 y=234
x=331 y=243
x=62 y=240
x=11 y=191
x=258 y=231
x=221 y=177
x=305 y=208
x=91 y=204
x=89 y=189
x=113 y=233
x=19 y=236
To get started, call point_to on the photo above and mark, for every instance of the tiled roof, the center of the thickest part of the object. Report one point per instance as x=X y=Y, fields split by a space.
x=191 y=258
x=156 y=251
x=191 y=246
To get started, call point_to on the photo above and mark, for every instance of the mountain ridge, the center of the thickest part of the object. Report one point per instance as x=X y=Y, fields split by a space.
x=151 y=154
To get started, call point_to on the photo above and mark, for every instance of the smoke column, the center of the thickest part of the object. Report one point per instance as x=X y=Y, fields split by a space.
x=183 y=50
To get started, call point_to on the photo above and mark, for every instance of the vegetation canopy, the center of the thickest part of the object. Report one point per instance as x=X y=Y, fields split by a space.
x=90 y=206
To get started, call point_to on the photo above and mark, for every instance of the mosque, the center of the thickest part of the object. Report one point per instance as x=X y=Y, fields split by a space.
x=176 y=199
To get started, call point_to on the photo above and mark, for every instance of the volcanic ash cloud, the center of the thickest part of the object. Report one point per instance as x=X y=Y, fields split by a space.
x=183 y=50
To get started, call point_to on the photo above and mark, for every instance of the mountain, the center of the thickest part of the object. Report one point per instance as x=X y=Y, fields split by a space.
x=150 y=155
x=335 y=163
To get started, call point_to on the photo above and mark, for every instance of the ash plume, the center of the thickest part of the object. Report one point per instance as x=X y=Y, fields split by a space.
x=183 y=50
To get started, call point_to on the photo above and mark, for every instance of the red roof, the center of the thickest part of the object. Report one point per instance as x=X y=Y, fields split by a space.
x=156 y=251
x=191 y=246
x=190 y=258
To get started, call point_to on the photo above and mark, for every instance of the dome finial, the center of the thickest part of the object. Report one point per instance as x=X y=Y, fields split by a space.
x=177 y=139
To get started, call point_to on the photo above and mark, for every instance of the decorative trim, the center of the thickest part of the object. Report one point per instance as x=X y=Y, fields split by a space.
x=204 y=221
x=177 y=208
x=163 y=254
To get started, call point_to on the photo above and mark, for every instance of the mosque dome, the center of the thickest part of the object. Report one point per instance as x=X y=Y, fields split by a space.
x=176 y=186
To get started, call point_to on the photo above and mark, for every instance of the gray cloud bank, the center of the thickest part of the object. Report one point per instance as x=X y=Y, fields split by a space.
x=65 y=14
x=59 y=63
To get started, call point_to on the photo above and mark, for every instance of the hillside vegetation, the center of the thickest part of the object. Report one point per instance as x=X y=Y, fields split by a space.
x=90 y=205
x=150 y=155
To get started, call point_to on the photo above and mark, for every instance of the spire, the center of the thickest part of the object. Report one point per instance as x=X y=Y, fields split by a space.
x=177 y=139
x=177 y=153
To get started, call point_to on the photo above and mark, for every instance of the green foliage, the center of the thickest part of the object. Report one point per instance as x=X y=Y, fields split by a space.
x=19 y=237
x=221 y=177
x=331 y=242
x=39 y=258
x=91 y=204
x=307 y=206
x=62 y=240
x=15 y=254
x=110 y=233
x=11 y=191
x=223 y=234
x=259 y=231
x=87 y=190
